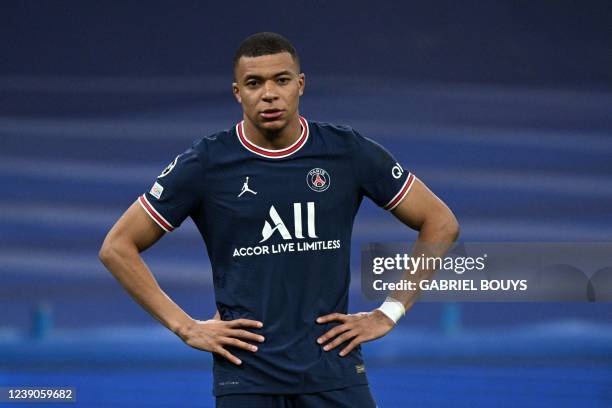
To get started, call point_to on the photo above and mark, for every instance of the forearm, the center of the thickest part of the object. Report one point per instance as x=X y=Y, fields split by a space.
x=128 y=267
x=435 y=238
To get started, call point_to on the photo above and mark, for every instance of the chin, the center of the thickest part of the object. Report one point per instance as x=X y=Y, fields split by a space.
x=277 y=124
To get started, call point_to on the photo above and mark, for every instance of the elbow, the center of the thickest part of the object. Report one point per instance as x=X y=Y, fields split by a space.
x=116 y=248
x=108 y=251
x=447 y=227
x=452 y=228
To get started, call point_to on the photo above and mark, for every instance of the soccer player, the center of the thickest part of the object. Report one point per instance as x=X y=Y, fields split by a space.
x=274 y=198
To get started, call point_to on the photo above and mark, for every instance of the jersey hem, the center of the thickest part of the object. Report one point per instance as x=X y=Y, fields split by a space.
x=284 y=390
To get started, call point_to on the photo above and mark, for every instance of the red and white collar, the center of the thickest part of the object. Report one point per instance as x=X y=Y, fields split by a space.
x=273 y=153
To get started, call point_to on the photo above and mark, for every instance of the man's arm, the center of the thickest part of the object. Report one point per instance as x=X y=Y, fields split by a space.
x=438 y=228
x=133 y=233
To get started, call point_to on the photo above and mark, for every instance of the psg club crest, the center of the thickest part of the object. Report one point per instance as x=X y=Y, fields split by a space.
x=318 y=180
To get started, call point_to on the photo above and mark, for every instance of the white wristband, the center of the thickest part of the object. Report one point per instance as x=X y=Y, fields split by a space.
x=393 y=309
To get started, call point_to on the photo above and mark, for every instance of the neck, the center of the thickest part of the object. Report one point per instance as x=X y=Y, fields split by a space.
x=273 y=139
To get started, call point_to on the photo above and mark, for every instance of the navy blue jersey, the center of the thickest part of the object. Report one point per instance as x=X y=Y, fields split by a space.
x=277 y=226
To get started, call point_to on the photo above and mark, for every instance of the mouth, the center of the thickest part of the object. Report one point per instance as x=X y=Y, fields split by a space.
x=271 y=114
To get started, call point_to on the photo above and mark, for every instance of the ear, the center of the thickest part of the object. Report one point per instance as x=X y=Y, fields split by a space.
x=236 y=92
x=302 y=83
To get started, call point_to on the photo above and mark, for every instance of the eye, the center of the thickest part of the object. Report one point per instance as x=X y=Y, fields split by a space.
x=283 y=80
x=251 y=83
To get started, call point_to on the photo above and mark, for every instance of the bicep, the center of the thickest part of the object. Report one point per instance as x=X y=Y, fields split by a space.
x=418 y=205
x=135 y=227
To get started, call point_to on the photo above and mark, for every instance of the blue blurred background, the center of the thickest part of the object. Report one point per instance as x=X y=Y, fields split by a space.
x=503 y=108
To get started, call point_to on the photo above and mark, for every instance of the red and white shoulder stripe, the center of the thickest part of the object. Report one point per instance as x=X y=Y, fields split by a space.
x=157 y=217
x=273 y=153
x=394 y=202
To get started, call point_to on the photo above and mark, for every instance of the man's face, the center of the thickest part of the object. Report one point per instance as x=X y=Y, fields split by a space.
x=269 y=88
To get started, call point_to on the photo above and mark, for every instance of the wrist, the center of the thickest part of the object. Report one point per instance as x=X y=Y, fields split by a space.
x=393 y=309
x=183 y=328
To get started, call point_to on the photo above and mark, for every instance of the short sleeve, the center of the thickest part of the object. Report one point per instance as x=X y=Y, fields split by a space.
x=174 y=195
x=380 y=176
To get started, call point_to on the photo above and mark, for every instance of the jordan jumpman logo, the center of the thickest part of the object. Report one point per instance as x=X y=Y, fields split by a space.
x=245 y=188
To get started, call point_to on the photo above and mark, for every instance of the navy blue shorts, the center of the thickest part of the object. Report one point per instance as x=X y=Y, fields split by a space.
x=358 y=396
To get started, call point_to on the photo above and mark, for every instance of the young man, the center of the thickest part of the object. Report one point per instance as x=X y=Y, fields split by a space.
x=274 y=198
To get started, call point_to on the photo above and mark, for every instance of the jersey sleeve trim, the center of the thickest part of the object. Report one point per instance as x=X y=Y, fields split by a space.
x=157 y=217
x=394 y=202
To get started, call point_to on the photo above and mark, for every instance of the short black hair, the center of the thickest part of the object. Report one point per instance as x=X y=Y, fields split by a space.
x=265 y=43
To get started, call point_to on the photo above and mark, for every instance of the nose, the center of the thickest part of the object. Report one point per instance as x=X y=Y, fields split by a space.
x=270 y=93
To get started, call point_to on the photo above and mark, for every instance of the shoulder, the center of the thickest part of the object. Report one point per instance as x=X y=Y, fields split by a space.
x=213 y=141
x=191 y=161
x=214 y=145
x=344 y=134
x=331 y=129
x=341 y=134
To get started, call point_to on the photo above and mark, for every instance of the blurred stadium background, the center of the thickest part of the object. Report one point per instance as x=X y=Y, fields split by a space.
x=504 y=108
